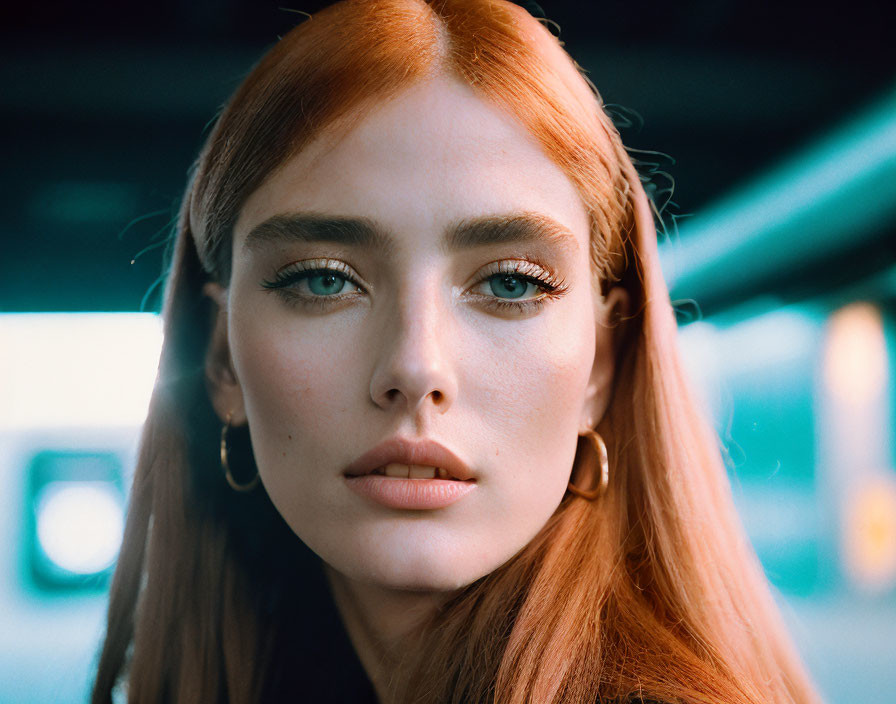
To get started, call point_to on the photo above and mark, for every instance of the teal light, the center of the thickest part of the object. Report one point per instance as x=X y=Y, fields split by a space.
x=755 y=368
x=70 y=203
x=831 y=197
x=74 y=519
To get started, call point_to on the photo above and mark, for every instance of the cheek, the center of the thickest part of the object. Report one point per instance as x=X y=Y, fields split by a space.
x=531 y=405
x=297 y=381
x=539 y=375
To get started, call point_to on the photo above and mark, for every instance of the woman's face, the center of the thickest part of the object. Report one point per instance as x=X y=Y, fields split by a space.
x=473 y=323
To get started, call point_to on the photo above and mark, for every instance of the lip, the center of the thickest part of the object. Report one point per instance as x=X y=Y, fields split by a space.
x=418 y=494
x=401 y=450
x=395 y=492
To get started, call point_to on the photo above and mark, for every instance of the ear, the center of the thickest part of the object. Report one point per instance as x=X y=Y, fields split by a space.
x=611 y=311
x=224 y=388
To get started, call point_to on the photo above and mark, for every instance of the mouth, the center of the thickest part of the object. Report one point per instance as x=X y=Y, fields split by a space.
x=411 y=458
x=410 y=487
x=413 y=471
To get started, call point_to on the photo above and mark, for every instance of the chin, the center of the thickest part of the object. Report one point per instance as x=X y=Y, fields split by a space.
x=414 y=570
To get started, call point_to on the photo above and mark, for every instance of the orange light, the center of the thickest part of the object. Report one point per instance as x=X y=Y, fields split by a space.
x=855 y=364
x=870 y=534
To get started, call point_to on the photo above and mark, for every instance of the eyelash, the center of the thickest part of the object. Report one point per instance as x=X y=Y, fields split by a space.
x=552 y=286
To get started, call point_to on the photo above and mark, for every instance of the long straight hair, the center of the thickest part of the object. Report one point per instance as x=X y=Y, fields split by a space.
x=652 y=590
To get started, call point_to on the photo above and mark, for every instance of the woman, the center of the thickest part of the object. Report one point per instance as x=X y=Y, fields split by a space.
x=414 y=245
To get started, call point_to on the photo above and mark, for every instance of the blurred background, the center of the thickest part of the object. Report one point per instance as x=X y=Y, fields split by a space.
x=777 y=125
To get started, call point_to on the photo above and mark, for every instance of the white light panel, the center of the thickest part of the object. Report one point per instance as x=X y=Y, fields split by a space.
x=77 y=369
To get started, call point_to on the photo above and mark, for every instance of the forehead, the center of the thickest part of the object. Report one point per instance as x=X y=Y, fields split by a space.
x=435 y=153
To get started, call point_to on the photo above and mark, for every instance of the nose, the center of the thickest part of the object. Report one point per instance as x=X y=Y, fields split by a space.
x=414 y=370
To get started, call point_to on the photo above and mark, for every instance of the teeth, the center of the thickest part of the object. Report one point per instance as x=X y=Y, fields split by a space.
x=417 y=472
x=396 y=470
x=413 y=471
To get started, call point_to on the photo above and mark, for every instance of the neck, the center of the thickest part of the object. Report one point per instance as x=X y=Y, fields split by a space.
x=382 y=624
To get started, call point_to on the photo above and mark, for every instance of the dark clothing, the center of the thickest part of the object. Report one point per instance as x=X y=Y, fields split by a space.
x=319 y=662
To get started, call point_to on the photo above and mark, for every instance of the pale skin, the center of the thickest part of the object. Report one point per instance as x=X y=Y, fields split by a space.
x=411 y=343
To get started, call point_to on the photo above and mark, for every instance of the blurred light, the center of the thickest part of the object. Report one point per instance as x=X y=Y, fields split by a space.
x=83 y=202
x=79 y=525
x=762 y=341
x=700 y=352
x=767 y=341
x=870 y=534
x=77 y=369
x=855 y=363
x=75 y=517
x=823 y=201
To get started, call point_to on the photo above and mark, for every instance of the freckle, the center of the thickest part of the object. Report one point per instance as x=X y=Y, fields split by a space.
x=289 y=436
x=284 y=454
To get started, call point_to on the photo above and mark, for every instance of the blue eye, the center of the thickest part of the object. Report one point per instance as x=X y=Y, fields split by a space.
x=321 y=282
x=325 y=284
x=509 y=285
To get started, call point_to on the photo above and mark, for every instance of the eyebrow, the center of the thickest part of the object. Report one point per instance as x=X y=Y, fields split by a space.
x=518 y=227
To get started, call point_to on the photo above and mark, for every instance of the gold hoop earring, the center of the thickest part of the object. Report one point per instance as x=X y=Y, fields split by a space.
x=249 y=486
x=597 y=451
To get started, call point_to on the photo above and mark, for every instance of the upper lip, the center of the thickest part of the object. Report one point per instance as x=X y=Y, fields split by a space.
x=401 y=450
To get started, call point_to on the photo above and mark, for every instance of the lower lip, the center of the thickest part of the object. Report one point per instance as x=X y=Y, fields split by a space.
x=410 y=493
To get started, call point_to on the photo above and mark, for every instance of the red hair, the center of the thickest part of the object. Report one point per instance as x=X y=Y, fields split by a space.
x=651 y=590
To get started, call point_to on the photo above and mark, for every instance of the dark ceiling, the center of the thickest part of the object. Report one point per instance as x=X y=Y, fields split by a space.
x=103 y=106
